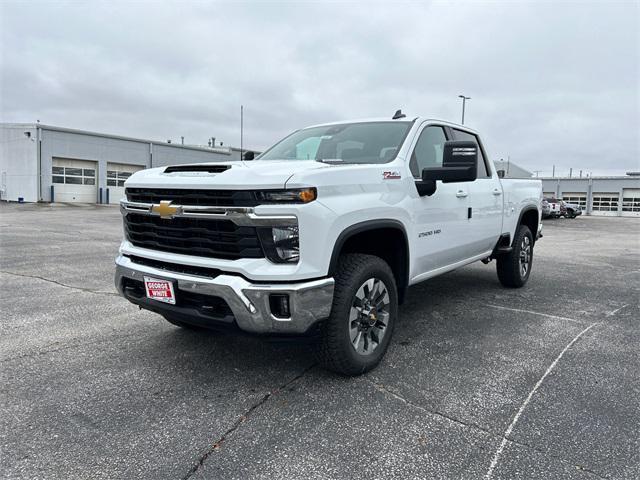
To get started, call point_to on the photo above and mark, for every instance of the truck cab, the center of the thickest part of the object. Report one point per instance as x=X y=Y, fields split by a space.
x=323 y=233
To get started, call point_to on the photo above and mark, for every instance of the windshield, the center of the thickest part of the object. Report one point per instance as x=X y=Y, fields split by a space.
x=372 y=142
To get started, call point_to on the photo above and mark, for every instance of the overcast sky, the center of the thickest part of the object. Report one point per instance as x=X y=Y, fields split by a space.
x=551 y=83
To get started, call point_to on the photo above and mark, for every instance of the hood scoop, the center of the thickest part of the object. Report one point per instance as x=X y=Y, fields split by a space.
x=196 y=169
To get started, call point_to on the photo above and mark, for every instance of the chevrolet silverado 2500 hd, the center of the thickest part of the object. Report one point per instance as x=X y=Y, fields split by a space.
x=323 y=233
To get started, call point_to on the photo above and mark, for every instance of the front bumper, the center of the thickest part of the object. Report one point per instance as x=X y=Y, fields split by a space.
x=309 y=301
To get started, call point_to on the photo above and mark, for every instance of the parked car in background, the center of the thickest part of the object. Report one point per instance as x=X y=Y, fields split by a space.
x=555 y=209
x=572 y=210
x=546 y=208
x=563 y=209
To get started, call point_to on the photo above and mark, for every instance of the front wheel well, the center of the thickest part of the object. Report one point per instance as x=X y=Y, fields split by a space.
x=387 y=241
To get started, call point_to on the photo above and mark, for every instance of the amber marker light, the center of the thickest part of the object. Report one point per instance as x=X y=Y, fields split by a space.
x=307 y=195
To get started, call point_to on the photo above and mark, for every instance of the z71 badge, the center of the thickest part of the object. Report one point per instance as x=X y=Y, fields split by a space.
x=394 y=175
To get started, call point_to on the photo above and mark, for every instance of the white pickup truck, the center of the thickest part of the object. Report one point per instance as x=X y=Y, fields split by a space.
x=323 y=233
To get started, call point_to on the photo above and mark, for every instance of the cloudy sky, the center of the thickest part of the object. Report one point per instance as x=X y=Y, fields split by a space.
x=552 y=83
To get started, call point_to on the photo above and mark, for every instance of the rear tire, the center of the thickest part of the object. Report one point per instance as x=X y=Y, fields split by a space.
x=514 y=267
x=365 y=307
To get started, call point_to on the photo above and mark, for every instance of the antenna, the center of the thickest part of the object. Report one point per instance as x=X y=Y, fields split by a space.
x=398 y=115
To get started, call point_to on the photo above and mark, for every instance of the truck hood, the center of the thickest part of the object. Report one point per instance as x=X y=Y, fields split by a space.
x=237 y=176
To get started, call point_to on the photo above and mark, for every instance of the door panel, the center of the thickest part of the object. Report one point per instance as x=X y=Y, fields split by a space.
x=486 y=202
x=441 y=223
x=485 y=225
x=440 y=220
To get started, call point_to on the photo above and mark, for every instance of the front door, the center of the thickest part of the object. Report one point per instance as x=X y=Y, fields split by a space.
x=439 y=220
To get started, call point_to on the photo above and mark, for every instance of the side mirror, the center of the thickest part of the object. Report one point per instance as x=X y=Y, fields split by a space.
x=249 y=155
x=501 y=173
x=459 y=163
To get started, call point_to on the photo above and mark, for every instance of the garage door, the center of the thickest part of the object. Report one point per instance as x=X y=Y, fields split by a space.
x=117 y=173
x=605 y=203
x=631 y=202
x=576 y=198
x=74 y=181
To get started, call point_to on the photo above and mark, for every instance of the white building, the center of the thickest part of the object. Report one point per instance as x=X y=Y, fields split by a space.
x=617 y=196
x=610 y=196
x=46 y=163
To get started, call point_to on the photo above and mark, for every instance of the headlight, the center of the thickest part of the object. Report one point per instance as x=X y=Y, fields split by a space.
x=299 y=195
x=280 y=244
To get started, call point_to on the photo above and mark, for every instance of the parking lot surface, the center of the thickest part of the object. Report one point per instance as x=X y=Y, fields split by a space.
x=479 y=381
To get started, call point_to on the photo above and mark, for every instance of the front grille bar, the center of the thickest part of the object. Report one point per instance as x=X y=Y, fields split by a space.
x=241 y=216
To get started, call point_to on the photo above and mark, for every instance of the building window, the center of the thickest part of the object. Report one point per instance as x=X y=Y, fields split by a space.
x=605 y=202
x=631 y=202
x=116 y=178
x=73 y=176
x=576 y=199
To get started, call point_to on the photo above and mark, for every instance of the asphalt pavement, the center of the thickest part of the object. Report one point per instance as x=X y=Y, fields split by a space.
x=479 y=381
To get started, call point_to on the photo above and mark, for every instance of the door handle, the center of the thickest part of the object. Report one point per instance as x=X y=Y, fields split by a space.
x=497 y=191
x=461 y=194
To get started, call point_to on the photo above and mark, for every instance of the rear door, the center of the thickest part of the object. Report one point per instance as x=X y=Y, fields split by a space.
x=440 y=220
x=485 y=200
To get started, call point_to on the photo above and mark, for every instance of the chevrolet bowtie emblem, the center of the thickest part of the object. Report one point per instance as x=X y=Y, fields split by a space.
x=165 y=209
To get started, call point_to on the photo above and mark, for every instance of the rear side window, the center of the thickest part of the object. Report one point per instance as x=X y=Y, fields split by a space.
x=482 y=164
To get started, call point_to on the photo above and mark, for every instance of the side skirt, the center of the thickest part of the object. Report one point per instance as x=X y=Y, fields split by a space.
x=439 y=271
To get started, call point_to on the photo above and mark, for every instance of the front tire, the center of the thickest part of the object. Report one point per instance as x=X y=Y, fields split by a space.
x=365 y=307
x=514 y=267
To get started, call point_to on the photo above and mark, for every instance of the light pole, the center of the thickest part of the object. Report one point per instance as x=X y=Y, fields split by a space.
x=464 y=100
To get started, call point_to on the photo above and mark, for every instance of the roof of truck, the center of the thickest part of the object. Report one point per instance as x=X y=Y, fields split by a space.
x=389 y=119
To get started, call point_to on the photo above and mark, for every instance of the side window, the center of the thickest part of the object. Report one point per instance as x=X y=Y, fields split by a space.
x=428 y=150
x=482 y=165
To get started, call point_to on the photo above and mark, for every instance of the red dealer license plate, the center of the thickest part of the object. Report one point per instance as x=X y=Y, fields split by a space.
x=161 y=290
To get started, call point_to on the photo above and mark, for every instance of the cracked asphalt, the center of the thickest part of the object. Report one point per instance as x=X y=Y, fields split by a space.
x=479 y=381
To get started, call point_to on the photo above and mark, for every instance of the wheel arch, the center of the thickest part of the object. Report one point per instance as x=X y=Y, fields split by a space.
x=394 y=247
x=530 y=217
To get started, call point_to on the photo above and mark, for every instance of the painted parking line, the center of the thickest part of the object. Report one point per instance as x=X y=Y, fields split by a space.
x=555 y=317
x=507 y=432
x=613 y=312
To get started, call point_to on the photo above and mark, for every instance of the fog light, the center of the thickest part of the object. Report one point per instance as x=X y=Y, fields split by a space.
x=279 y=304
